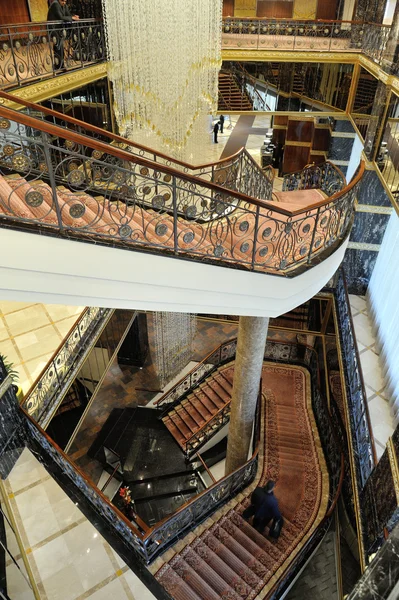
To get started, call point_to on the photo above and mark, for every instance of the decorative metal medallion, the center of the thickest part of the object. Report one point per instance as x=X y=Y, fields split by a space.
x=77 y=211
x=5 y=124
x=158 y=202
x=218 y=251
x=244 y=226
x=303 y=250
x=20 y=162
x=8 y=150
x=244 y=247
x=11 y=70
x=143 y=171
x=17 y=45
x=21 y=67
x=288 y=228
x=43 y=167
x=97 y=154
x=188 y=237
x=190 y=212
x=323 y=221
x=204 y=203
x=76 y=177
x=146 y=190
x=69 y=144
x=166 y=196
x=5 y=47
x=119 y=177
x=161 y=229
x=267 y=232
x=306 y=229
x=73 y=166
x=125 y=231
x=317 y=243
x=167 y=178
x=34 y=199
x=263 y=251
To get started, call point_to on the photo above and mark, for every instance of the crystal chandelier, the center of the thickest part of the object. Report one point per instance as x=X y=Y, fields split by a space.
x=173 y=337
x=164 y=60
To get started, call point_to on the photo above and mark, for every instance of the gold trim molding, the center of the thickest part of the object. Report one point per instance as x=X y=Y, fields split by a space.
x=42 y=90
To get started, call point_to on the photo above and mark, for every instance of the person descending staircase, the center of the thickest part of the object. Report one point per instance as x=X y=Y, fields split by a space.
x=225 y=557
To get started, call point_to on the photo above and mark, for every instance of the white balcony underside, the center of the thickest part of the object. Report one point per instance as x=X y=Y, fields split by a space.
x=36 y=268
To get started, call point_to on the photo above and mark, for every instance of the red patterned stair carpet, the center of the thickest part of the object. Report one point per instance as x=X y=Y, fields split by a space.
x=226 y=558
x=93 y=216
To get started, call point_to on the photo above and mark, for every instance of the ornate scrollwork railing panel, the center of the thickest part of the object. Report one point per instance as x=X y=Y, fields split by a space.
x=35 y=50
x=58 y=371
x=105 y=195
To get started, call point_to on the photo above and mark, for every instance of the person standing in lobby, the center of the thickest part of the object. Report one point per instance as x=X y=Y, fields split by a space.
x=59 y=11
x=221 y=121
x=215 y=132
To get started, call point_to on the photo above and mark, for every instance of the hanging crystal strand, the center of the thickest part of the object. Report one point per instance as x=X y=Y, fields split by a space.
x=164 y=66
x=173 y=338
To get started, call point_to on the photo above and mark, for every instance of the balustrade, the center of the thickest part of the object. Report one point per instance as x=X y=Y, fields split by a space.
x=31 y=51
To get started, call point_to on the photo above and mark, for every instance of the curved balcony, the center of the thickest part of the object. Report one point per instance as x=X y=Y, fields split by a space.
x=306 y=35
x=60 y=182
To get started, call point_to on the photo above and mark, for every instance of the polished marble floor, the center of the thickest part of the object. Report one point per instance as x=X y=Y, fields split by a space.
x=69 y=558
x=30 y=334
x=382 y=421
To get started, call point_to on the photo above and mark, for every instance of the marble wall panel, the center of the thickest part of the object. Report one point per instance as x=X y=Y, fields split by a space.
x=343 y=126
x=369 y=228
x=340 y=148
x=359 y=265
x=372 y=191
x=381 y=577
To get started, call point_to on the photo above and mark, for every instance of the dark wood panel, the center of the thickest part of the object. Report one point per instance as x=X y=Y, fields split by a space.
x=14 y=11
x=300 y=131
x=228 y=8
x=321 y=139
x=280 y=9
x=295 y=158
x=279 y=136
x=326 y=9
x=280 y=120
x=317 y=159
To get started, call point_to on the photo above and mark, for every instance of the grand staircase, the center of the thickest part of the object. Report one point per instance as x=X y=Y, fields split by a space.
x=203 y=411
x=231 y=95
x=226 y=558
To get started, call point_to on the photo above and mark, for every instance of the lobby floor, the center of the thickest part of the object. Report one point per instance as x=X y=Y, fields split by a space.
x=30 y=334
x=69 y=558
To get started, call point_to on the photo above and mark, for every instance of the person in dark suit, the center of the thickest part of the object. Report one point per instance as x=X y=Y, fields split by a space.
x=59 y=11
x=215 y=132
x=221 y=121
x=264 y=507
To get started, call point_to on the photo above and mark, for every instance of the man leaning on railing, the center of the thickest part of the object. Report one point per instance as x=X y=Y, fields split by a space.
x=59 y=11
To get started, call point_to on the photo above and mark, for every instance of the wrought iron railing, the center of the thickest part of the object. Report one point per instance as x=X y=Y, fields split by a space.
x=326 y=177
x=238 y=172
x=109 y=196
x=61 y=369
x=30 y=51
x=362 y=437
x=319 y=35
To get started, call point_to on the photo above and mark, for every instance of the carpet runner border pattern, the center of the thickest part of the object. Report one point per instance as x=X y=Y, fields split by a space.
x=173 y=568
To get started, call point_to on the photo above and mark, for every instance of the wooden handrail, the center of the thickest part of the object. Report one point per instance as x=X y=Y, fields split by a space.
x=113 y=136
x=127 y=156
x=290 y=20
x=218 y=412
x=206 y=467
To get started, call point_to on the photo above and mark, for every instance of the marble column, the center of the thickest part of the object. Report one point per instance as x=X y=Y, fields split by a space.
x=391 y=52
x=370 y=10
x=252 y=334
x=377 y=120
